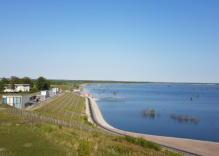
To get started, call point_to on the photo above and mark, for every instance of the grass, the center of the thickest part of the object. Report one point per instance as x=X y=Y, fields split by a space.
x=141 y=142
x=122 y=149
x=85 y=148
x=21 y=134
x=21 y=139
x=67 y=86
x=67 y=107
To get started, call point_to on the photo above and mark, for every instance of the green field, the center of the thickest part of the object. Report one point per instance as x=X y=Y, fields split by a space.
x=66 y=86
x=60 y=127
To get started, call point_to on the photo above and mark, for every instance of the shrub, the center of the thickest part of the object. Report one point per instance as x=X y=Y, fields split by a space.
x=131 y=139
x=148 y=144
x=143 y=143
x=85 y=148
x=85 y=118
x=60 y=126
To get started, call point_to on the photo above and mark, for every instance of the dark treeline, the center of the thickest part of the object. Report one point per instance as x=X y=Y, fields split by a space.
x=76 y=83
x=35 y=84
x=63 y=82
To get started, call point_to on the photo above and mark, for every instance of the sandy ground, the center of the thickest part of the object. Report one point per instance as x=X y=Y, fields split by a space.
x=198 y=147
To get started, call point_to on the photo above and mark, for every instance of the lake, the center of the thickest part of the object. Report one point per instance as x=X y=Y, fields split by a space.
x=174 y=110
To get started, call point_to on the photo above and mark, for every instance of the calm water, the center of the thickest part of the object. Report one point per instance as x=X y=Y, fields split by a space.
x=122 y=107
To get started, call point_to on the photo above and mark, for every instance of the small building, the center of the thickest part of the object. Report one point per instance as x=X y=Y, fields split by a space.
x=17 y=101
x=22 y=87
x=76 y=92
x=17 y=88
x=7 y=89
x=55 y=90
x=44 y=93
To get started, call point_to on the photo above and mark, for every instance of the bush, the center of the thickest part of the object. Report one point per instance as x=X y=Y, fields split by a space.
x=131 y=139
x=148 y=144
x=85 y=118
x=85 y=148
x=143 y=143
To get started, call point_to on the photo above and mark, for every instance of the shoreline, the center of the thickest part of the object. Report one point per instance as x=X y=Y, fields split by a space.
x=187 y=146
x=164 y=83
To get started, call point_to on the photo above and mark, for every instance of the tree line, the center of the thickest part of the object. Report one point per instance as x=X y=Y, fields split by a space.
x=35 y=84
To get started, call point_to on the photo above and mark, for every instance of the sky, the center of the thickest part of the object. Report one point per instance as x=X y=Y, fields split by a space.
x=123 y=40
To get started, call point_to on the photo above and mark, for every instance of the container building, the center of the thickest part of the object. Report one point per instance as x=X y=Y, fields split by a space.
x=17 y=101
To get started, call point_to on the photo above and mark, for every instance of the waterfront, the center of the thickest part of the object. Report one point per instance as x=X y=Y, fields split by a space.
x=122 y=106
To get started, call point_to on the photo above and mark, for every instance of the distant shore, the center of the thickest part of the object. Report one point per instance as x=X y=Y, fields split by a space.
x=195 y=147
x=130 y=83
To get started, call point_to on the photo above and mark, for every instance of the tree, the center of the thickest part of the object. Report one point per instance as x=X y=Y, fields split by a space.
x=5 y=81
x=27 y=80
x=14 y=80
x=42 y=84
x=1 y=86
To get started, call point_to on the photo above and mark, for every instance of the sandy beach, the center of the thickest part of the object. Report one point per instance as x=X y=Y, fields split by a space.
x=193 y=147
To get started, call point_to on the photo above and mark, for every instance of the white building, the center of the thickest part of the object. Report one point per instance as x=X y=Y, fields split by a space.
x=8 y=90
x=55 y=91
x=17 y=88
x=44 y=93
x=22 y=87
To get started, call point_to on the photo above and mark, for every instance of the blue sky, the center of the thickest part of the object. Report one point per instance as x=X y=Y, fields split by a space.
x=143 y=40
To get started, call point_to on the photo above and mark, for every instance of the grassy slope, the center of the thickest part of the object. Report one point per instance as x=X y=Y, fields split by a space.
x=23 y=139
x=68 y=86
x=39 y=137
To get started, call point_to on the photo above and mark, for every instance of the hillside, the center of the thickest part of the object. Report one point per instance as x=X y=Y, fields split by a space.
x=60 y=127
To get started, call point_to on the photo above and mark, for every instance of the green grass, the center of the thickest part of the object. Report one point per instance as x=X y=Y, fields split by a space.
x=122 y=149
x=85 y=148
x=21 y=134
x=67 y=107
x=21 y=139
x=67 y=86
x=141 y=142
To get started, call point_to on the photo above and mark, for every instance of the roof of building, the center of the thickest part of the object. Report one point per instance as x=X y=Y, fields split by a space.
x=21 y=84
x=16 y=95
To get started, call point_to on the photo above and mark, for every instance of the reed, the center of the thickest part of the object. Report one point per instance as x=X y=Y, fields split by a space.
x=182 y=118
